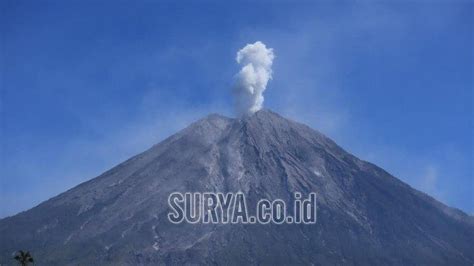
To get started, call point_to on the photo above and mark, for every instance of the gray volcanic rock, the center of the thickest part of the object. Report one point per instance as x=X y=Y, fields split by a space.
x=365 y=215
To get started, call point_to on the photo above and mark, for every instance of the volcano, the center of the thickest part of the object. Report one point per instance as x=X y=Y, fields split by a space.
x=364 y=215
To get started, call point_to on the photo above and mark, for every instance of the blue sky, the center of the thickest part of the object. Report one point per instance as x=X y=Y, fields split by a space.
x=85 y=86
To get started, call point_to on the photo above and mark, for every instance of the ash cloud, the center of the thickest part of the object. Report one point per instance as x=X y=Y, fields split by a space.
x=252 y=79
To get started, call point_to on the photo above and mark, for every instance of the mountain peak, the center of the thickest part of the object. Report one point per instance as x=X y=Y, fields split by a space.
x=262 y=115
x=262 y=112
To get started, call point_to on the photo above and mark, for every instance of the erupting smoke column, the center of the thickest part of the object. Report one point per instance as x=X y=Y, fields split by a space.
x=253 y=77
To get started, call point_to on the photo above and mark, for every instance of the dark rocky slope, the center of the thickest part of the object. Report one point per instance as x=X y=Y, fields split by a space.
x=365 y=215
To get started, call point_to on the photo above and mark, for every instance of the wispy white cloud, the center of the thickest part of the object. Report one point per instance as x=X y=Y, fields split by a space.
x=429 y=181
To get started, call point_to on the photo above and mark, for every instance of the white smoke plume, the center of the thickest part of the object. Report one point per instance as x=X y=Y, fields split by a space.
x=252 y=79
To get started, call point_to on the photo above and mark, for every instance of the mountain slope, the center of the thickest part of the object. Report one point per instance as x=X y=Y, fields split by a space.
x=365 y=215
